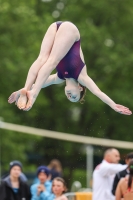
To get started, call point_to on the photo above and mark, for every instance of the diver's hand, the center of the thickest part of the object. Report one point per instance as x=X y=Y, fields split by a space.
x=121 y=109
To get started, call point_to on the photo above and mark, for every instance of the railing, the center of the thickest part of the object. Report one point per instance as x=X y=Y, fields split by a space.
x=79 y=195
x=71 y=195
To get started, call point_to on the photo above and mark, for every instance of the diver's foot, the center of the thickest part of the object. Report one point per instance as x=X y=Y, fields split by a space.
x=21 y=103
x=14 y=97
x=31 y=99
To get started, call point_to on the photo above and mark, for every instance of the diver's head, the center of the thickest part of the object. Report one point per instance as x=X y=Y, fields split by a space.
x=75 y=92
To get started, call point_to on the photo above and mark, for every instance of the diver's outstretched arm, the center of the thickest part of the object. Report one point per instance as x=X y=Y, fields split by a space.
x=86 y=81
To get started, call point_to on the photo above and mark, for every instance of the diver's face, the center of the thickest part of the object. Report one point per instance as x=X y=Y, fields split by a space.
x=73 y=93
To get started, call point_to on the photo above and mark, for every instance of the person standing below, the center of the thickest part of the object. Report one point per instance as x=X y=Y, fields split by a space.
x=125 y=186
x=58 y=189
x=122 y=173
x=55 y=168
x=22 y=175
x=42 y=188
x=104 y=173
x=12 y=187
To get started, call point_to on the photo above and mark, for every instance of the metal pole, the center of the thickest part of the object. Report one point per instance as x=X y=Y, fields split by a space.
x=1 y=126
x=89 y=164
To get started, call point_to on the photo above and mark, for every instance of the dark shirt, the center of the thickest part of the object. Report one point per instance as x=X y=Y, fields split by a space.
x=55 y=174
x=117 y=178
x=7 y=192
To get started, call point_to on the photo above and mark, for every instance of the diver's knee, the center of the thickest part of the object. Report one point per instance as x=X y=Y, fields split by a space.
x=53 y=61
x=42 y=59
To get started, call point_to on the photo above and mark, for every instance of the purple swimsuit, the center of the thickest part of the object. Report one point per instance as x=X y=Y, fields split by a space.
x=71 y=65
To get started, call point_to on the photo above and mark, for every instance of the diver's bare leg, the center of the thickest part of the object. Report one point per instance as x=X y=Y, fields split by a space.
x=65 y=37
x=45 y=50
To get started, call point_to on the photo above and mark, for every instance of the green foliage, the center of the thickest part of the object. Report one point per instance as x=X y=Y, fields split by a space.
x=15 y=146
x=80 y=175
x=106 y=34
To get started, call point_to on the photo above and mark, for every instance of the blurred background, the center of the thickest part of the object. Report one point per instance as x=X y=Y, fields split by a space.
x=106 y=29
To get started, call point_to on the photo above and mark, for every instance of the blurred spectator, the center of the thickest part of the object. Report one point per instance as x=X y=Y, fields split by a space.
x=12 y=187
x=124 y=189
x=122 y=173
x=58 y=189
x=104 y=173
x=22 y=175
x=55 y=169
x=41 y=189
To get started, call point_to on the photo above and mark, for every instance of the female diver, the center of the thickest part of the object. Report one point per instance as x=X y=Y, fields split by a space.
x=61 y=50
